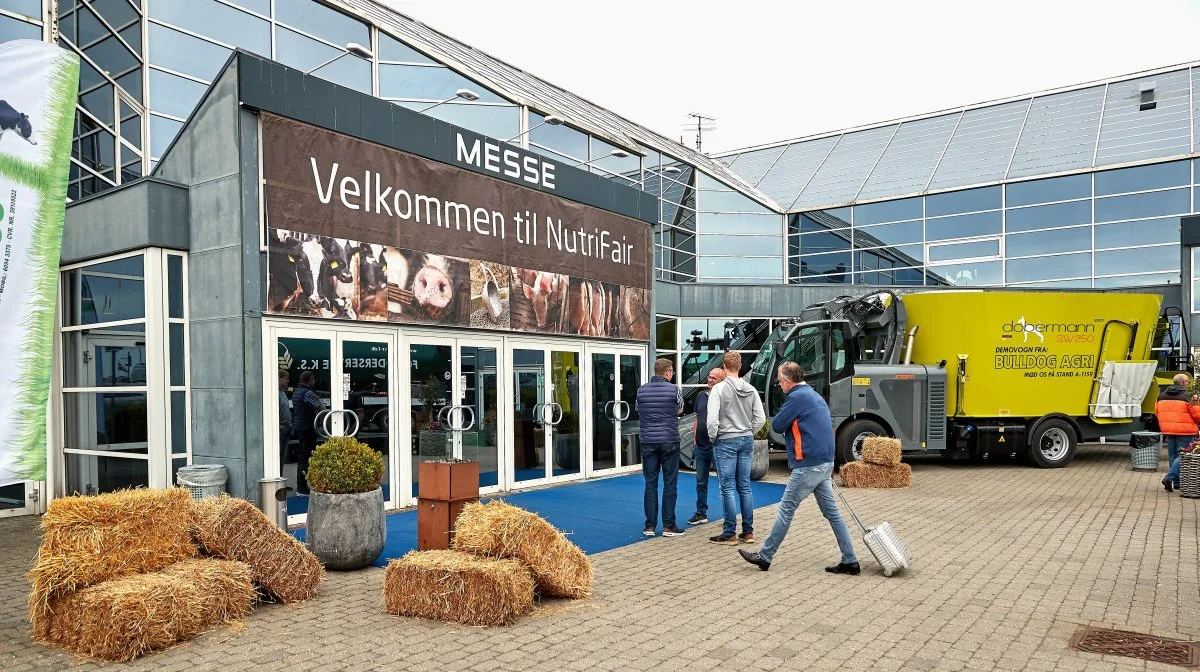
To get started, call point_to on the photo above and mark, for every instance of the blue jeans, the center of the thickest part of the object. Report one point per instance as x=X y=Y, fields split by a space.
x=704 y=461
x=733 y=473
x=665 y=457
x=1174 y=443
x=1173 y=472
x=803 y=481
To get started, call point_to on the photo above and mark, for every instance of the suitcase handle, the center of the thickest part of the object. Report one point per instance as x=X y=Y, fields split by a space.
x=847 y=503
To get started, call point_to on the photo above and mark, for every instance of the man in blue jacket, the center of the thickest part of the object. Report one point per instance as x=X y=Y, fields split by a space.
x=805 y=422
x=659 y=405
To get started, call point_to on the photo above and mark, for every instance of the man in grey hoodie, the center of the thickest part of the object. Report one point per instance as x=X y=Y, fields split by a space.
x=735 y=413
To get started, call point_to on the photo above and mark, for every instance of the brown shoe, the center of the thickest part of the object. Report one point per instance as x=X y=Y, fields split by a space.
x=746 y=537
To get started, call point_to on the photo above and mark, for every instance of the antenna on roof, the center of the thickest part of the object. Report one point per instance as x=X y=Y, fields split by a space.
x=701 y=125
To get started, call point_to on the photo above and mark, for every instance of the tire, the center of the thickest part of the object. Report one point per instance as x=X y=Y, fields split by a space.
x=849 y=440
x=1052 y=443
x=761 y=460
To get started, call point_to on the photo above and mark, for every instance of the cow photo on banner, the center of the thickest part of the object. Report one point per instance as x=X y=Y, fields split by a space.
x=519 y=260
x=38 y=85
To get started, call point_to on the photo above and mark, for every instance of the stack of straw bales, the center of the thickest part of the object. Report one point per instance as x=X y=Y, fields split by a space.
x=501 y=530
x=234 y=529
x=501 y=555
x=458 y=587
x=880 y=466
x=116 y=576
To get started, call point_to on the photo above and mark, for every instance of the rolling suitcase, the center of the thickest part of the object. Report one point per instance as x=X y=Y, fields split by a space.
x=887 y=547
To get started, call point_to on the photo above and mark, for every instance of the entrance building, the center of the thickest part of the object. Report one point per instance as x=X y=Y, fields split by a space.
x=531 y=411
x=454 y=296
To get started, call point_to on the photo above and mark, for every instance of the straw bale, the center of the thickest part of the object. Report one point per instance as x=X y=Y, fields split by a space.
x=881 y=450
x=867 y=475
x=458 y=588
x=234 y=529
x=497 y=529
x=90 y=540
x=121 y=619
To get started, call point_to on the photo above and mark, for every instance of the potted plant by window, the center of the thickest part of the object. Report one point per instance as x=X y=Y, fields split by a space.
x=346 y=527
x=566 y=442
x=431 y=440
x=761 y=459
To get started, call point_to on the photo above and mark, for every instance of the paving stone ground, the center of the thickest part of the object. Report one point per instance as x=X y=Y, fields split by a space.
x=1010 y=561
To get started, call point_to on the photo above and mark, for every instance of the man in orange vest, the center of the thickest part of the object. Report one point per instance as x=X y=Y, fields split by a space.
x=1177 y=413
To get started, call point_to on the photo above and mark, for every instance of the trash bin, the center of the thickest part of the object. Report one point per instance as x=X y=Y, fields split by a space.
x=272 y=499
x=1144 y=448
x=203 y=480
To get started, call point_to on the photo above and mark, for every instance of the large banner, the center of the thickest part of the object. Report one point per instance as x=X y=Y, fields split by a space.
x=360 y=231
x=38 y=86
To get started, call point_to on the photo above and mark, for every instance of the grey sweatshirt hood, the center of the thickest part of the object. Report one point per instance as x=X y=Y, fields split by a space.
x=734 y=409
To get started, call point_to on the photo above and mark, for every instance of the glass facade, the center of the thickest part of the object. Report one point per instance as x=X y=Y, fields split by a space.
x=142 y=76
x=1113 y=228
x=697 y=345
x=107 y=147
x=122 y=319
x=135 y=97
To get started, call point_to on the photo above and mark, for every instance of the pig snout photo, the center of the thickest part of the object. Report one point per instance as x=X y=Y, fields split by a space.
x=433 y=291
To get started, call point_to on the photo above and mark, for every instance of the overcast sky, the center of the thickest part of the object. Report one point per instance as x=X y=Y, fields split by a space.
x=771 y=71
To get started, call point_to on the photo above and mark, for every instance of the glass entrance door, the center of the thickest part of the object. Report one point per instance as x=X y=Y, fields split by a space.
x=454 y=405
x=613 y=436
x=349 y=374
x=547 y=414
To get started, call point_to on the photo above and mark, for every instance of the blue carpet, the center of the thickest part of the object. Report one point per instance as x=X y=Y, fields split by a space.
x=597 y=515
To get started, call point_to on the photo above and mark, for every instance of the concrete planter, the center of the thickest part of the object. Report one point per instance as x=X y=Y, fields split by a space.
x=346 y=531
x=761 y=460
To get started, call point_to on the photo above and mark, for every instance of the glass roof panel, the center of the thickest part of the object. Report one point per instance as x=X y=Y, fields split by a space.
x=1060 y=133
x=842 y=175
x=909 y=160
x=981 y=146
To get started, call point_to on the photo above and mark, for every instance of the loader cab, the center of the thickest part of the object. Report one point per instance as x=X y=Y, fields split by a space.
x=823 y=349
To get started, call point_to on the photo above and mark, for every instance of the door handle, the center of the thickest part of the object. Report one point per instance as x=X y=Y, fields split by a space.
x=325 y=430
x=467 y=424
x=553 y=406
x=622 y=404
x=539 y=412
x=608 y=412
x=443 y=418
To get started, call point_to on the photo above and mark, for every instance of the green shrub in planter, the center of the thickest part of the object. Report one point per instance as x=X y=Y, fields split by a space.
x=345 y=465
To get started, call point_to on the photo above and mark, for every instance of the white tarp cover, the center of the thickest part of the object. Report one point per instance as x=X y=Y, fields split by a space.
x=1123 y=386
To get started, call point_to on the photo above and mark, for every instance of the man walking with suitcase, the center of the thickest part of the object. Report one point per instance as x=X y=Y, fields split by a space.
x=805 y=422
x=659 y=405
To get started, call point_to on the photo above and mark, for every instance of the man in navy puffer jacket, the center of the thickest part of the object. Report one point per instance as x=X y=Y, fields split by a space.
x=805 y=422
x=659 y=405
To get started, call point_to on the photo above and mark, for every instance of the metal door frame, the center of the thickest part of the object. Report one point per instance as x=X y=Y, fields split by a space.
x=547 y=347
x=616 y=351
x=336 y=334
x=419 y=336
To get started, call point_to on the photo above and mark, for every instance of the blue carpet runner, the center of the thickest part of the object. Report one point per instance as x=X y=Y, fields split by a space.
x=598 y=515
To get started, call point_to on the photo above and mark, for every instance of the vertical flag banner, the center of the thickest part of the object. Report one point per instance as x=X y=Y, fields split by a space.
x=38 y=87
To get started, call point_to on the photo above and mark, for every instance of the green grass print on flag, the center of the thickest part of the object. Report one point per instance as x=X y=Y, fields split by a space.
x=27 y=415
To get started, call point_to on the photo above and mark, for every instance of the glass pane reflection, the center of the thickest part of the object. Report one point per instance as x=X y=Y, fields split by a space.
x=95 y=474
